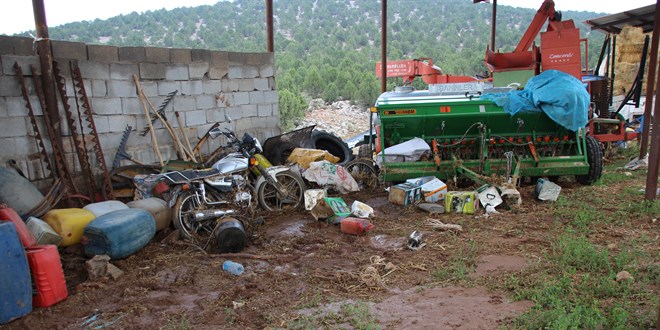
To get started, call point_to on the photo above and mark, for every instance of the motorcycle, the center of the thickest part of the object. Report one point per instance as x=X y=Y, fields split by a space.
x=206 y=201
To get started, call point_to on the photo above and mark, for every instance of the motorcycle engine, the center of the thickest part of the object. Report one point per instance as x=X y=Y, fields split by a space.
x=242 y=198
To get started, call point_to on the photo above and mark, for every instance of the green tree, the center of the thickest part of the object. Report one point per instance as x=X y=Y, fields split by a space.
x=292 y=108
x=313 y=83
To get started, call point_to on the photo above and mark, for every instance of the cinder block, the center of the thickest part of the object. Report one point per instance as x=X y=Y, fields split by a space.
x=259 y=122
x=121 y=88
x=9 y=86
x=157 y=55
x=276 y=110
x=264 y=110
x=94 y=70
x=243 y=125
x=249 y=110
x=15 y=106
x=256 y=97
x=235 y=72
x=272 y=121
x=192 y=87
x=123 y=71
x=102 y=123
x=24 y=46
x=206 y=101
x=254 y=58
x=261 y=84
x=241 y=98
x=13 y=126
x=194 y=118
x=180 y=56
x=246 y=85
x=118 y=123
x=271 y=83
x=102 y=53
x=166 y=87
x=150 y=88
x=270 y=97
x=229 y=85
x=152 y=71
x=6 y=45
x=266 y=71
x=236 y=58
x=200 y=55
x=99 y=88
x=176 y=72
x=106 y=106
x=250 y=71
x=224 y=100
x=3 y=108
x=198 y=70
x=24 y=61
x=215 y=115
x=219 y=65
x=132 y=54
x=69 y=50
x=111 y=140
x=234 y=113
x=131 y=106
x=211 y=86
x=26 y=145
x=184 y=103
x=7 y=148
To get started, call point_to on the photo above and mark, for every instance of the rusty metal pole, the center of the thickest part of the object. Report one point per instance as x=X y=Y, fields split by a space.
x=269 y=26
x=654 y=155
x=650 y=85
x=492 y=32
x=383 y=49
x=46 y=61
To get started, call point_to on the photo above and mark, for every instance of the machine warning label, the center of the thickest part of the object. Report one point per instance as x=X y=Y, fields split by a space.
x=445 y=109
x=400 y=112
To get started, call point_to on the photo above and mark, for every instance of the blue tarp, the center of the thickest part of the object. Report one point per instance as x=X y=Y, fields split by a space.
x=561 y=96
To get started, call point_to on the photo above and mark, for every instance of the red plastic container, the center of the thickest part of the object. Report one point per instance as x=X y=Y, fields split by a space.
x=47 y=274
x=355 y=226
x=8 y=214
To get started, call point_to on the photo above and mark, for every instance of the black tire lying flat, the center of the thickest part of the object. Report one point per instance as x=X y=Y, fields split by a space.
x=334 y=145
x=595 y=159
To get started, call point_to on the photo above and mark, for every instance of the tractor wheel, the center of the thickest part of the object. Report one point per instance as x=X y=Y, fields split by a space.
x=332 y=144
x=595 y=159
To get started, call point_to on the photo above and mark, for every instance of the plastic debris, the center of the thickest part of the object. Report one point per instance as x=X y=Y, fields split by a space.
x=312 y=196
x=304 y=157
x=547 y=190
x=637 y=163
x=409 y=151
x=489 y=196
x=362 y=210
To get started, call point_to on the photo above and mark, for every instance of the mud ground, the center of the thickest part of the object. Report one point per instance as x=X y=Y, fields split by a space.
x=302 y=269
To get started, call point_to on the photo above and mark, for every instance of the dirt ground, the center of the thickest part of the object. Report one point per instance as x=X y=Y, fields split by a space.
x=310 y=275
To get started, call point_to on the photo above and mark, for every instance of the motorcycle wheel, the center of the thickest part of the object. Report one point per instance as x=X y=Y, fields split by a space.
x=271 y=200
x=184 y=221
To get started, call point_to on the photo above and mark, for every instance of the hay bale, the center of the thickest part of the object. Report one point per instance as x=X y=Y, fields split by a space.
x=629 y=48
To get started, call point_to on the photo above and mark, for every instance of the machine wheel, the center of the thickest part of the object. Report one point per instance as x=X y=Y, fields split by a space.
x=595 y=159
x=186 y=205
x=332 y=144
x=292 y=183
x=364 y=172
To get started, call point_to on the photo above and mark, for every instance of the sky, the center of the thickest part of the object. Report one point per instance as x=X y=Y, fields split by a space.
x=20 y=17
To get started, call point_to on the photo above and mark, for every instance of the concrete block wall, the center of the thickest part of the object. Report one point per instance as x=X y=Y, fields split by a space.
x=210 y=85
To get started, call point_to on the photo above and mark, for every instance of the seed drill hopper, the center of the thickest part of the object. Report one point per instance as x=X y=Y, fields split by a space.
x=475 y=138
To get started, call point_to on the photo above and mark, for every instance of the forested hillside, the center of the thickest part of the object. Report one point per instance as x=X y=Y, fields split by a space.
x=327 y=48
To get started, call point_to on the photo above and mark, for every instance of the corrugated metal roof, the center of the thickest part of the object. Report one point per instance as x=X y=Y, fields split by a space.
x=640 y=17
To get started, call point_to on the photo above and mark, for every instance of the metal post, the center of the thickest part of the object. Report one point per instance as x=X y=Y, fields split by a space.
x=46 y=61
x=383 y=49
x=654 y=156
x=269 y=26
x=612 y=76
x=492 y=32
x=650 y=86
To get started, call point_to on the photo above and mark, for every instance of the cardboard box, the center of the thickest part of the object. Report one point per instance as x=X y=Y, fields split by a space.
x=434 y=190
x=405 y=194
x=461 y=202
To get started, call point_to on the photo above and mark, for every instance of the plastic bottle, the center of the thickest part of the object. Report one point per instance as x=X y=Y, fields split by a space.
x=233 y=267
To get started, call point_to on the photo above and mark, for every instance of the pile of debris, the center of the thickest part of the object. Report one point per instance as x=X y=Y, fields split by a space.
x=341 y=118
